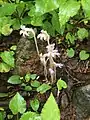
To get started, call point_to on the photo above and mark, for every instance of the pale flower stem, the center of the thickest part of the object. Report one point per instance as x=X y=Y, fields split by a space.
x=55 y=72
x=45 y=72
x=36 y=44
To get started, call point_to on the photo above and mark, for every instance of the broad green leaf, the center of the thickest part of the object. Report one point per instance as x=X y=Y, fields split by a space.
x=50 y=110
x=4 y=67
x=55 y=21
x=7 y=9
x=27 y=77
x=36 y=20
x=21 y=9
x=61 y=84
x=30 y=116
x=70 y=52
x=82 y=33
x=35 y=83
x=34 y=104
x=49 y=28
x=33 y=76
x=28 y=88
x=17 y=104
x=67 y=10
x=14 y=79
x=86 y=7
x=83 y=55
x=44 y=6
x=26 y=20
x=43 y=88
x=8 y=58
x=6 y=30
x=16 y=24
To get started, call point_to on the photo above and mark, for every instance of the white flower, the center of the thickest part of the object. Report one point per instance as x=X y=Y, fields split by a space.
x=51 y=51
x=51 y=71
x=43 y=35
x=26 y=31
x=60 y=65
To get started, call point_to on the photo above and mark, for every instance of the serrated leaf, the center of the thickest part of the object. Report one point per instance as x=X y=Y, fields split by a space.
x=14 y=79
x=83 y=55
x=86 y=7
x=34 y=104
x=61 y=84
x=70 y=52
x=30 y=116
x=82 y=33
x=17 y=104
x=8 y=58
x=50 y=110
x=43 y=88
x=4 y=67
x=35 y=83
x=66 y=10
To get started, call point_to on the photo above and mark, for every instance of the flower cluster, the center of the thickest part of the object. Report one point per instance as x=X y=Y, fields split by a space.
x=47 y=58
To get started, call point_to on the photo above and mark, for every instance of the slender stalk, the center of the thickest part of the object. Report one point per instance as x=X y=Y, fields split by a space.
x=36 y=44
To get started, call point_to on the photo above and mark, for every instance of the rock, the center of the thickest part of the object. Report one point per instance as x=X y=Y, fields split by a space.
x=81 y=100
x=27 y=60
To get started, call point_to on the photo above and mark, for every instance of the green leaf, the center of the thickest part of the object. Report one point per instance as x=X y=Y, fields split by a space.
x=27 y=77
x=1 y=116
x=44 y=6
x=35 y=83
x=8 y=58
x=14 y=47
x=4 y=67
x=43 y=88
x=28 y=88
x=70 y=52
x=82 y=33
x=66 y=10
x=7 y=9
x=83 y=55
x=55 y=21
x=49 y=28
x=20 y=8
x=36 y=20
x=30 y=116
x=50 y=110
x=70 y=38
x=34 y=104
x=17 y=104
x=6 y=30
x=86 y=7
x=61 y=84
x=14 y=79
x=33 y=76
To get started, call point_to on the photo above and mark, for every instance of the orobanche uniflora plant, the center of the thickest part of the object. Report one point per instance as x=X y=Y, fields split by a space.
x=47 y=58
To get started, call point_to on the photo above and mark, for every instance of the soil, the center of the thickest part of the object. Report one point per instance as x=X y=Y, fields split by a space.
x=74 y=72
